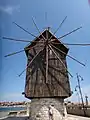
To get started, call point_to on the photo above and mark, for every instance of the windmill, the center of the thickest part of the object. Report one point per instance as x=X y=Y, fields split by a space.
x=47 y=81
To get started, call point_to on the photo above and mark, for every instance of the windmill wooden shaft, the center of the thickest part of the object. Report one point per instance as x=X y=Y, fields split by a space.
x=47 y=81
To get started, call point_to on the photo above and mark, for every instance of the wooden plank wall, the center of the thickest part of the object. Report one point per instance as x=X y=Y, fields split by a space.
x=58 y=80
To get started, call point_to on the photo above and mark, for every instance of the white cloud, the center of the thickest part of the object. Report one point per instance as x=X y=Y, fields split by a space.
x=9 y=9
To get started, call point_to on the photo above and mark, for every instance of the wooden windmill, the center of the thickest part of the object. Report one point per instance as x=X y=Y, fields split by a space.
x=46 y=71
x=47 y=74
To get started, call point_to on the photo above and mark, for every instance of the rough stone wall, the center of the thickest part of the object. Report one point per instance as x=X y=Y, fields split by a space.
x=47 y=109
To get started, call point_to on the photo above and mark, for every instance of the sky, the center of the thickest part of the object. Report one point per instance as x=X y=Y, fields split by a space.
x=46 y=13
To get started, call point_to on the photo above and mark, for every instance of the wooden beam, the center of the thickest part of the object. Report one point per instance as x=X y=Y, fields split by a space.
x=60 y=25
x=14 y=53
x=24 y=29
x=69 y=33
x=30 y=62
x=31 y=73
x=8 y=55
x=14 y=39
x=47 y=64
x=58 y=70
x=58 y=28
x=76 y=44
x=68 y=55
x=52 y=58
x=38 y=29
x=43 y=72
x=47 y=57
x=60 y=60
x=59 y=82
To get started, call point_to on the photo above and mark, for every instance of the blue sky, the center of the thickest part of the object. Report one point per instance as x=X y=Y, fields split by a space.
x=21 y=11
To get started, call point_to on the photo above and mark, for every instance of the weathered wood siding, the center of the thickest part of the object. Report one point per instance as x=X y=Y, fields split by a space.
x=58 y=81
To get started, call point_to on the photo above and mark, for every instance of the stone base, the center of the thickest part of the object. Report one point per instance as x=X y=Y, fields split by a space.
x=47 y=109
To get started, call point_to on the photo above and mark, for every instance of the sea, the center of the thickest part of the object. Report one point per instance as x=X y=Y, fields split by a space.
x=5 y=110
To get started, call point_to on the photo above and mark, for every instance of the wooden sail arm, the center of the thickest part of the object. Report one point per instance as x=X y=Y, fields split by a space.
x=47 y=64
x=14 y=53
x=31 y=62
x=21 y=40
x=76 y=44
x=14 y=39
x=30 y=73
x=38 y=29
x=8 y=55
x=58 y=70
x=59 y=82
x=58 y=28
x=60 y=60
x=47 y=50
x=68 y=55
x=26 y=30
x=55 y=68
x=69 y=33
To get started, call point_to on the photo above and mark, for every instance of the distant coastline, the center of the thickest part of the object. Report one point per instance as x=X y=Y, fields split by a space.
x=13 y=106
x=12 y=103
x=6 y=110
